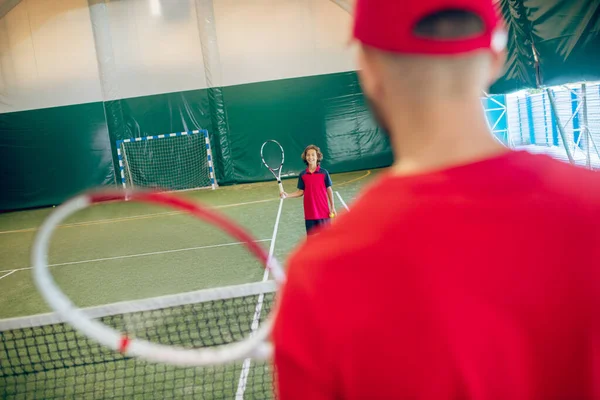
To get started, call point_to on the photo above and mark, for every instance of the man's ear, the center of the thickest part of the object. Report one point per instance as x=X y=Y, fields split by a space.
x=499 y=55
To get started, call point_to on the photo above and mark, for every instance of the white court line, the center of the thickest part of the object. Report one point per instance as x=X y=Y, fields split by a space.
x=135 y=217
x=342 y=200
x=162 y=214
x=137 y=255
x=11 y=272
x=246 y=366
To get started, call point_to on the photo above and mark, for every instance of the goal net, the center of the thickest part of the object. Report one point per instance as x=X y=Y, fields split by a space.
x=170 y=162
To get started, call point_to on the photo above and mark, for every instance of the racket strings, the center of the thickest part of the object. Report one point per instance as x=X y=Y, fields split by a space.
x=272 y=155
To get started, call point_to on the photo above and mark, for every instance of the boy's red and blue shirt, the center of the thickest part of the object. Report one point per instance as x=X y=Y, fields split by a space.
x=315 y=186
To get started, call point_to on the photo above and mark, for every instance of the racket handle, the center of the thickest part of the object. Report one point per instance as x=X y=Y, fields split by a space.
x=281 y=191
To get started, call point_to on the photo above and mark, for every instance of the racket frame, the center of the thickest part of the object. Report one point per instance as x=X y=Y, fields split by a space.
x=277 y=174
x=254 y=346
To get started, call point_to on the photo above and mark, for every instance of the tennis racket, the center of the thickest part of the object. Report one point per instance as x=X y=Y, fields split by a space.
x=255 y=345
x=273 y=157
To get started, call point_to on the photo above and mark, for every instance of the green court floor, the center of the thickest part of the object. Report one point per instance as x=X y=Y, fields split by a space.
x=126 y=251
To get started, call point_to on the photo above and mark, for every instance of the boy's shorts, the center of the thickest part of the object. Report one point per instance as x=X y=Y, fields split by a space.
x=311 y=224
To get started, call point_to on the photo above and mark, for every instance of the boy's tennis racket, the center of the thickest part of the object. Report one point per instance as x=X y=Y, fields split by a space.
x=255 y=345
x=272 y=156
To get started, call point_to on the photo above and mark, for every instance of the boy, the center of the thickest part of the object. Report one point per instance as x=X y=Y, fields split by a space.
x=314 y=184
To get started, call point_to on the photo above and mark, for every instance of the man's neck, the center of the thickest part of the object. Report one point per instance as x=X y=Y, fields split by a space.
x=312 y=168
x=426 y=141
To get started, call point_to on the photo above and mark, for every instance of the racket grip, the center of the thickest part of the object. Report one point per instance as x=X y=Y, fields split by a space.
x=280 y=187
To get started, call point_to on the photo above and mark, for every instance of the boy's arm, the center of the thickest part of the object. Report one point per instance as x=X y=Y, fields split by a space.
x=329 y=186
x=331 y=200
x=297 y=193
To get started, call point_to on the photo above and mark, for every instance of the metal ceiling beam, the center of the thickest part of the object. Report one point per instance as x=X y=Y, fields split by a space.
x=346 y=5
x=7 y=5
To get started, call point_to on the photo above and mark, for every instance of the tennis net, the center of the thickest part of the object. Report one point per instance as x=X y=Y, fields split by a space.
x=41 y=357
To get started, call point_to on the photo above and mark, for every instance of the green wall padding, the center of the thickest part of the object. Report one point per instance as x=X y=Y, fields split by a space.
x=219 y=134
x=328 y=111
x=159 y=114
x=49 y=155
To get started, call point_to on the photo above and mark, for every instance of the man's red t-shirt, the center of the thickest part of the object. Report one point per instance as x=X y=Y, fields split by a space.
x=477 y=282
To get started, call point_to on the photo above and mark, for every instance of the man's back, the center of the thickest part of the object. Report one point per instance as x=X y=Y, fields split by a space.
x=476 y=282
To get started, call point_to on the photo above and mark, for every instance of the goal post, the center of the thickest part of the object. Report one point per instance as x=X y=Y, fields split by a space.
x=169 y=162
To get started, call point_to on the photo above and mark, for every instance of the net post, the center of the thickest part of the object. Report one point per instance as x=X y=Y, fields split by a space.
x=211 y=169
x=121 y=163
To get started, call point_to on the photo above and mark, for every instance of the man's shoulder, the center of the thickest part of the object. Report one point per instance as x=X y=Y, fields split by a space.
x=323 y=171
x=563 y=180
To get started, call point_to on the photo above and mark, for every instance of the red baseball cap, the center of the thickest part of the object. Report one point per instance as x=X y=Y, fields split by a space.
x=389 y=25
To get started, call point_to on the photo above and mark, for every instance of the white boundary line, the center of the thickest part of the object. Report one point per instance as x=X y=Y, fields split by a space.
x=342 y=200
x=134 y=217
x=167 y=213
x=257 y=311
x=135 y=255
x=10 y=273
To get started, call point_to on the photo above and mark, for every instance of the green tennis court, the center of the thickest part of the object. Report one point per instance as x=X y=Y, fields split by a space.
x=122 y=252
x=129 y=251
